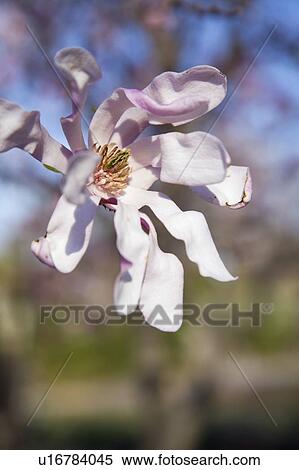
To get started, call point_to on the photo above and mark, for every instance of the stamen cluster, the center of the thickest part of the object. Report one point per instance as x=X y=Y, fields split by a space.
x=113 y=171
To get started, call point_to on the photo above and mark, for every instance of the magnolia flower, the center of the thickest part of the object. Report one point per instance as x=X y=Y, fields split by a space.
x=116 y=170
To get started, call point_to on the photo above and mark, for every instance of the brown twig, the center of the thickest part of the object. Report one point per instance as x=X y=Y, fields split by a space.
x=209 y=9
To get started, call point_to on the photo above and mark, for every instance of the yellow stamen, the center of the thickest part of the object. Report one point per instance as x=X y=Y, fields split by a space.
x=113 y=171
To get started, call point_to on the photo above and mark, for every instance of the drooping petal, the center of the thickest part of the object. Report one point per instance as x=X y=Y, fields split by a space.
x=161 y=299
x=148 y=277
x=234 y=192
x=40 y=247
x=79 y=69
x=22 y=129
x=190 y=159
x=116 y=118
x=133 y=245
x=178 y=98
x=189 y=226
x=67 y=236
x=80 y=168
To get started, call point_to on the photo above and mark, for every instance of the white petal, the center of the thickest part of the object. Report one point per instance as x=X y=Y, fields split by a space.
x=106 y=118
x=133 y=245
x=161 y=299
x=22 y=129
x=190 y=226
x=145 y=177
x=40 y=248
x=80 y=168
x=190 y=159
x=72 y=129
x=79 y=69
x=130 y=125
x=146 y=152
x=234 y=192
x=68 y=235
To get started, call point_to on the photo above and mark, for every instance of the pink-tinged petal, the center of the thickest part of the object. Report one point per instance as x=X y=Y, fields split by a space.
x=234 y=192
x=130 y=125
x=80 y=168
x=190 y=226
x=106 y=117
x=80 y=70
x=145 y=177
x=133 y=245
x=22 y=129
x=40 y=248
x=178 y=98
x=161 y=299
x=190 y=159
x=68 y=234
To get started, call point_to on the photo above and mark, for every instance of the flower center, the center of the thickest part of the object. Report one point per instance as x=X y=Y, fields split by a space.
x=113 y=171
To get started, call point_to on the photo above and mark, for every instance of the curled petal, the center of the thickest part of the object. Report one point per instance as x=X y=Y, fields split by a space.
x=67 y=236
x=161 y=299
x=178 y=98
x=79 y=69
x=22 y=129
x=40 y=248
x=190 y=159
x=189 y=226
x=133 y=245
x=234 y=192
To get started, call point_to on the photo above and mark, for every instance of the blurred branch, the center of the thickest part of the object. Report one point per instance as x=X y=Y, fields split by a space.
x=212 y=9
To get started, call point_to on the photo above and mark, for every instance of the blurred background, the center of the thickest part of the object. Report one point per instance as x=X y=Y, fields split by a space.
x=134 y=387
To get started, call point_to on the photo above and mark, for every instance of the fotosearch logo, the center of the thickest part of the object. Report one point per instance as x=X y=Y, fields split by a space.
x=213 y=315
